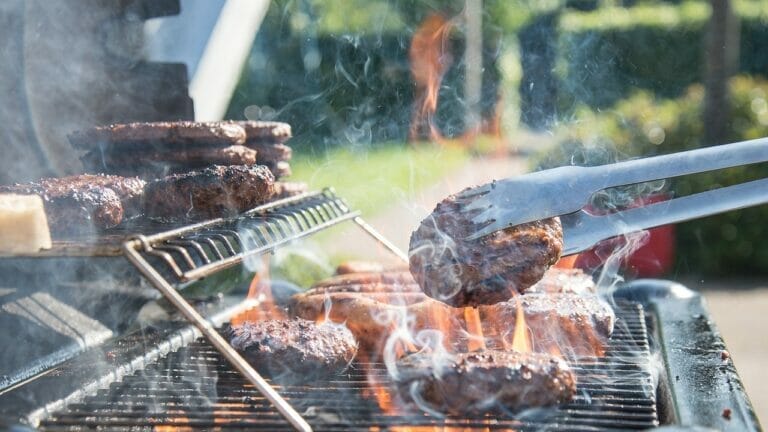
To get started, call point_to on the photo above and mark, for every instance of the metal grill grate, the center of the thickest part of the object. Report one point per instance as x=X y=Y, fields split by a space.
x=196 y=251
x=195 y=387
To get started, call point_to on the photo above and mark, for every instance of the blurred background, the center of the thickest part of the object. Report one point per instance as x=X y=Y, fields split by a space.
x=397 y=103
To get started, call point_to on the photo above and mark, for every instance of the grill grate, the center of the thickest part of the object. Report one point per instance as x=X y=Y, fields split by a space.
x=196 y=251
x=195 y=387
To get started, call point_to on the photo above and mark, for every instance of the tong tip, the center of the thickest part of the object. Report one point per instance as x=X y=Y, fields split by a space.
x=484 y=231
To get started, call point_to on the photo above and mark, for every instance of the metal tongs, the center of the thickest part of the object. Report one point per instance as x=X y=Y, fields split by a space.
x=566 y=190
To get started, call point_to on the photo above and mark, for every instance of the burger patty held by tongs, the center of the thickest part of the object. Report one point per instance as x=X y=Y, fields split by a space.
x=463 y=272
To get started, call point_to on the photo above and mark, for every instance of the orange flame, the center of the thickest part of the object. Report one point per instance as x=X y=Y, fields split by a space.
x=260 y=290
x=567 y=262
x=521 y=341
x=476 y=340
x=429 y=59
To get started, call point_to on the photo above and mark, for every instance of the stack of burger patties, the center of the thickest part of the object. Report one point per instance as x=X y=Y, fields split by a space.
x=153 y=150
x=194 y=170
x=156 y=149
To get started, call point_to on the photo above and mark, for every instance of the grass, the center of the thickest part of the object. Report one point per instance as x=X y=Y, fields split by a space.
x=374 y=178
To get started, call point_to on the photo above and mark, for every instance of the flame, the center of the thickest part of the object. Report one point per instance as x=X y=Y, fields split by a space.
x=567 y=262
x=260 y=290
x=429 y=59
x=521 y=341
x=179 y=417
x=476 y=340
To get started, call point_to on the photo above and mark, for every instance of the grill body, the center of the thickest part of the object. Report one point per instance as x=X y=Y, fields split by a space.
x=663 y=368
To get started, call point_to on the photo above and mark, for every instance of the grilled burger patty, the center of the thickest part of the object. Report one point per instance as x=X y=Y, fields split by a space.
x=372 y=310
x=399 y=278
x=575 y=325
x=289 y=189
x=564 y=281
x=297 y=346
x=265 y=132
x=462 y=272
x=279 y=169
x=212 y=192
x=144 y=136
x=154 y=163
x=272 y=153
x=478 y=382
x=80 y=202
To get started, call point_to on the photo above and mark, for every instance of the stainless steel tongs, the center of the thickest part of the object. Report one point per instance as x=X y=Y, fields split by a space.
x=565 y=191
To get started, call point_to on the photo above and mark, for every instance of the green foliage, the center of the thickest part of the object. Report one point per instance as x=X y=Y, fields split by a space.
x=735 y=243
x=299 y=266
x=372 y=180
x=646 y=15
x=611 y=52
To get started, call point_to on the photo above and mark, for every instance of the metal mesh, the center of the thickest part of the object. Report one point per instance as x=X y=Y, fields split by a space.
x=197 y=251
x=196 y=388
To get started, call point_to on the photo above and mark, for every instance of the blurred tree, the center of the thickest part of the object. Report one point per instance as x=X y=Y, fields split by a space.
x=538 y=88
x=721 y=62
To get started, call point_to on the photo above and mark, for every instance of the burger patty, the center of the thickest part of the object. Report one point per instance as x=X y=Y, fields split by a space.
x=373 y=311
x=479 y=382
x=158 y=163
x=144 y=136
x=369 y=303
x=564 y=281
x=261 y=132
x=272 y=153
x=298 y=347
x=82 y=202
x=574 y=325
x=279 y=169
x=392 y=277
x=347 y=267
x=289 y=189
x=212 y=192
x=461 y=272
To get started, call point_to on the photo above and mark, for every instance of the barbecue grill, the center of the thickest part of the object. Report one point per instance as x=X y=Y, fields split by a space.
x=665 y=365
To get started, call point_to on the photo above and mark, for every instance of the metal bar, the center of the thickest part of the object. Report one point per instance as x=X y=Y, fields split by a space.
x=130 y=248
x=381 y=239
x=199 y=226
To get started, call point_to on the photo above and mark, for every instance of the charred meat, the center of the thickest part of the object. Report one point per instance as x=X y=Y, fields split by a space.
x=158 y=163
x=272 y=153
x=209 y=193
x=265 y=132
x=373 y=310
x=301 y=347
x=348 y=267
x=144 y=136
x=396 y=278
x=564 y=281
x=82 y=202
x=462 y=272
x=485 y=381
x=289 y=189
x=575 y=325
x=279 y=169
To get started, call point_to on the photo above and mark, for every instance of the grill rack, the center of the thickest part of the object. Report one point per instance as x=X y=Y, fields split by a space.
x=190 y=253
x=194 y=387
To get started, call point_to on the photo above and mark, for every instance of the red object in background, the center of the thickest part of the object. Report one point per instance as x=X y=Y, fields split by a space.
x=653 y=259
